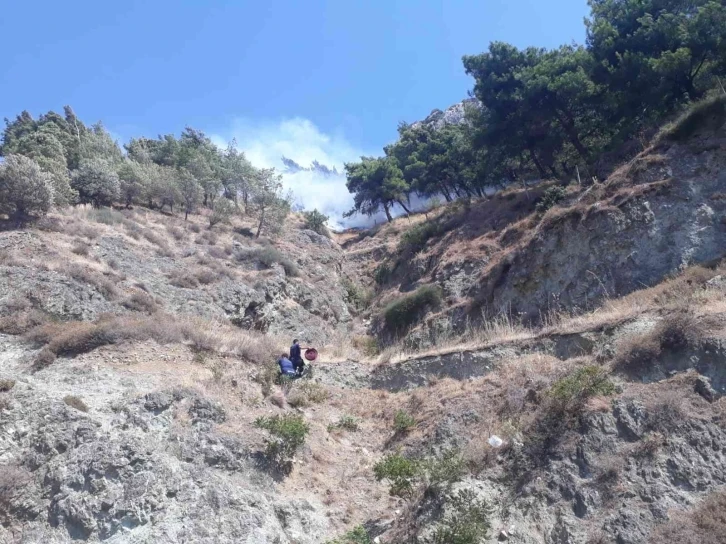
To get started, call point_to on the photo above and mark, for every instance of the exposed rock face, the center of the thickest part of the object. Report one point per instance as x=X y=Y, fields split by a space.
x=311 y=306
x=672 y=217
x=126 y=472
x=453 y=115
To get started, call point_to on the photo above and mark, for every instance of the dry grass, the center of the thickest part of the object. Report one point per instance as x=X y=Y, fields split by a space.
x=705 y=524
x=85 y=274
x=73 y=338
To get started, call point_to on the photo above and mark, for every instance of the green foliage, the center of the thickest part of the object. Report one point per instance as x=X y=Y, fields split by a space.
x=550 y=198
x=400 y=314
x=356 y=294
x=222 y=212
x=445 y=471
x=382 y=274
x=583 y=383
x=415 y=238
x=539 y=113
x=315 y=220
x=466 y=521
x=269 y=203
x=403 y=421
x=96 y=182
x=25 y=190
x=401 y=472
x=357 y=535
x=288 y=434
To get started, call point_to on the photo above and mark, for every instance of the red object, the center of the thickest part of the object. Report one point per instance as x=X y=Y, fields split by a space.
x=311 y=354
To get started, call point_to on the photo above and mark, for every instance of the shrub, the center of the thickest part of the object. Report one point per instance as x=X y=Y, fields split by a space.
x=267 y=256
x=96 y=183
x=183 y=278
x=140 y=302
x=444 y=472
x=84 y=274
x=466 y=521
x=677 y=330
x=709 y=113
x=75 y=402
x=400 y=314
x=705 y=524
x=108 y=216
x=358 y=535
x=550 y=198
x=356 y=295
x=403 y=422
x=315 y=220
x=346 y=422
x=368 y=345
x=288 y=434
x=81 y=248
x=25 y=190
x=401 y=472
x=6 y=385
x=415 y=238
x=222 y=212
x=574 y=390
x=194 y=228
x=382 y=274
x=43 y=359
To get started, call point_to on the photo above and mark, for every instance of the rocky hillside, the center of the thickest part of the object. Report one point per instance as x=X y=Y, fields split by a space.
x=543 y=365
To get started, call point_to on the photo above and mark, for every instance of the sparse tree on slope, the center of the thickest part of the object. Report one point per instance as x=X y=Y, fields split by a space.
x=190 y=190
x=96 y=182
x=25 y=190
x=269 y=202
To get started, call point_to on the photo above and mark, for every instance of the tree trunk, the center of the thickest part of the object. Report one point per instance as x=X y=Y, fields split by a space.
x=388 y=213
x=404 y=207
x=186 y=213
x=568 y=125
x=262 y=220
x=536 y=162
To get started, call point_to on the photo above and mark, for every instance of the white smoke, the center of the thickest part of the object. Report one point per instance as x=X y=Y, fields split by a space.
x=298 y=139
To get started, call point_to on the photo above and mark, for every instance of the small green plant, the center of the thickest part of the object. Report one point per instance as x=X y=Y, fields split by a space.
x=415 y=238
x=382 y=274
x=358 y=535
x=75 y=402
x=585 y=382
x=222 y=212
x=550 y=198
x=368 y=345
x=400 y=314
x=346 y=422
x=402 y=473
x=315 y=221
x=288 y=434
x=403 y=422
x=357 y=296
x=444 y=472
x=466 y=521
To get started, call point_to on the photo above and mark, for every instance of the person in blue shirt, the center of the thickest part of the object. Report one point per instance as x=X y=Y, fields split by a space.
x=286 y=366
x=296 y=358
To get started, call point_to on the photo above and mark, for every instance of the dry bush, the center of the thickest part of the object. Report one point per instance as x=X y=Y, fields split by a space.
x=81 y=248
x=22 y=322
x=13 y=481
x=205 y=276
x=176 y=233
x=183 y=278
x=84 y=274
x=6 y=384
x=207 y=237
x=75 y=402
x=43 y=359
x=159 y=241
x=216 y=252
x=667 y=411
x=194 y=228
x=677 y=330
x=88 y=231
x=76 y=337
x=705 y=524
x=649 y=445
x=140 y=302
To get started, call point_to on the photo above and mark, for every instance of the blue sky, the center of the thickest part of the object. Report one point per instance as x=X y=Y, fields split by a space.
x=330 y=78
